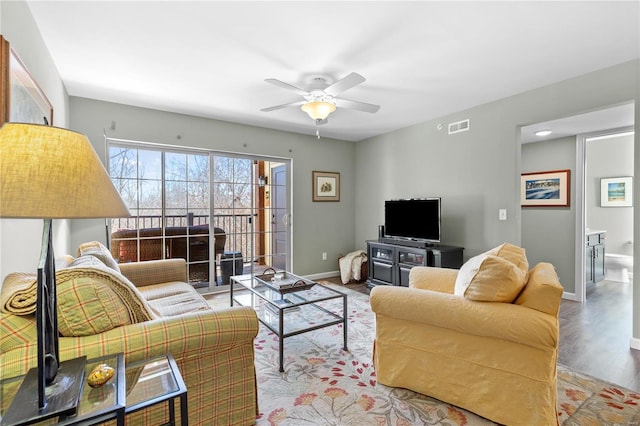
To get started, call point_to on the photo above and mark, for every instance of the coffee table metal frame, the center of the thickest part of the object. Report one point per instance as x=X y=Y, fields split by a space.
x=289 y=314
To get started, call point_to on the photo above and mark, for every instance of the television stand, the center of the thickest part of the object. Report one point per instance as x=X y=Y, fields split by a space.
x=406 y=243
x=390 y=263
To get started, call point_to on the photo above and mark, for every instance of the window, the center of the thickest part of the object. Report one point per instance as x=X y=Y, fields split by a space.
x=168 y=197
x=190 y=203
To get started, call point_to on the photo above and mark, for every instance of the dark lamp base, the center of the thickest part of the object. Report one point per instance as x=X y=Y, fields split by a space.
x=62 y=395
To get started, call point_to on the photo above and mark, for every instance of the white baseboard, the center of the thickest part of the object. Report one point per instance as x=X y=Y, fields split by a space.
x=570 y=296
x=635 y=343
x=322 y=275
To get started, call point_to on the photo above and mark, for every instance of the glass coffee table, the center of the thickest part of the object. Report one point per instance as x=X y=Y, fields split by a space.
x=287 y=312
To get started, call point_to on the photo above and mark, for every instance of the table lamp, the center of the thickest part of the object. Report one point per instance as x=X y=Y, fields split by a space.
x=51 y=173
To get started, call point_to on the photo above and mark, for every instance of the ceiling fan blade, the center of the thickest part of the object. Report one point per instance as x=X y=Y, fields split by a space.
x=344 y=84
x=290 y=104
x=360 y=106
x=287 y=86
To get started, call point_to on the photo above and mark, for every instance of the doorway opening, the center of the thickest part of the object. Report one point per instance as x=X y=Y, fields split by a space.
x=607 y=207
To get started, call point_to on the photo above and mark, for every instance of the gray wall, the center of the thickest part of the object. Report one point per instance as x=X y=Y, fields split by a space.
x=20 y=239
x=317 y=226
x=477 y=172
x=548 y=233
x=607 y=158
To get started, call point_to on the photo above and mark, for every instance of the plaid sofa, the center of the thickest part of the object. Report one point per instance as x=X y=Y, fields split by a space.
x=213 y=348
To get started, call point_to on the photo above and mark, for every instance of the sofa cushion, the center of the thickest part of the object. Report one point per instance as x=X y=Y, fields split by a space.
x=174 y=298
x=543 y=291
x=95 y=248
x=489 y=278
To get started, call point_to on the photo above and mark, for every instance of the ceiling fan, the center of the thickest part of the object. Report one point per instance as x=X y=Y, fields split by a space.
x=322 y=97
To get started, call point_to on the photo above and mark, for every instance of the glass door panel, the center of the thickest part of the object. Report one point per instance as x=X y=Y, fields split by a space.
x=168 y=197
x=137 y=175
x=186 y=208
x=232 y=206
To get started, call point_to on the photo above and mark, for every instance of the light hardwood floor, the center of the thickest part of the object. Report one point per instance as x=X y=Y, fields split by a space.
x=595 y=335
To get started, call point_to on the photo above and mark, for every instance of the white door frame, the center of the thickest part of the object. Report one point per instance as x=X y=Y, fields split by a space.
x=580 y=294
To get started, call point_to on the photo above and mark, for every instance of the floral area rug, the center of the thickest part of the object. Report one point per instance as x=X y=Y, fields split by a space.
x=324 y=385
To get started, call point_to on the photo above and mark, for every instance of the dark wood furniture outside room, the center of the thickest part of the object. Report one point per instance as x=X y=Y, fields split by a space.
x=190 y=243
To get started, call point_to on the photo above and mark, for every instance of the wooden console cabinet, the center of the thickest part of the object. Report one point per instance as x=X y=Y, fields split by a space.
x=389 y=264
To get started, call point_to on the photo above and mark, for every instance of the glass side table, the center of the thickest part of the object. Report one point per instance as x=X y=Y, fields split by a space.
x=153 y=381
x=96 y=405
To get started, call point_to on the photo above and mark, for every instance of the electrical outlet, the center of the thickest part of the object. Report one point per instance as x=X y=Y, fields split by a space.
x=324 y=255
x=502 y=214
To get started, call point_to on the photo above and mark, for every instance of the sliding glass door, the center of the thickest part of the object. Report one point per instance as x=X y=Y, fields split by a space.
x=224 y=214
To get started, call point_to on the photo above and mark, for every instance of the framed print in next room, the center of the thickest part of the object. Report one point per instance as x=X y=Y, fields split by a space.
x=326 y=186
x=616 y=192
x=545 y=189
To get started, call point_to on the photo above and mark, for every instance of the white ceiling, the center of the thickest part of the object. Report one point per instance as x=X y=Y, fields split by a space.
x=617 y=117
x=422 y=59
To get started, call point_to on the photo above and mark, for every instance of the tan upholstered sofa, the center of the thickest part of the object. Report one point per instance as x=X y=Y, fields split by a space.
x=494 y=358
x=146 y=309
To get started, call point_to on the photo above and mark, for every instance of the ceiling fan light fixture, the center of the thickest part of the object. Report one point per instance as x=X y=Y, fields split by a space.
x=318 y=110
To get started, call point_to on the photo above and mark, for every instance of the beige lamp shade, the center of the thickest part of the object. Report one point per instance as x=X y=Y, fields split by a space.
x=49 y=172
x=318 y=110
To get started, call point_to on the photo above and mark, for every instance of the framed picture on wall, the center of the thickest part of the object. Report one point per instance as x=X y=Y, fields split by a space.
x=616 y=192
x=545 y=189
x=326 y=186
x=22 y=98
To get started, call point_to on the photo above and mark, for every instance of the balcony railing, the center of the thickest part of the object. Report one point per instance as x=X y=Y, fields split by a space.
x=144 y=241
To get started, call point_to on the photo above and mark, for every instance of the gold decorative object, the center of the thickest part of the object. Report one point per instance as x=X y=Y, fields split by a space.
x=100 y=375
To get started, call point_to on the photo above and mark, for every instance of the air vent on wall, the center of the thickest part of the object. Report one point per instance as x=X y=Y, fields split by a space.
x=459 y=126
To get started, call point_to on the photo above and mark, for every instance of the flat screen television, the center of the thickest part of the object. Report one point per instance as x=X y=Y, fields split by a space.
x=413 y=219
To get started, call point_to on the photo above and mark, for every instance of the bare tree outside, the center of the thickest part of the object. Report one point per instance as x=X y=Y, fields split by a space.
x=173 y=189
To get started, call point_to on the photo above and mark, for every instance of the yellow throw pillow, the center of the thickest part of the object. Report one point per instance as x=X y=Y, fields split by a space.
x=489 y=278
x=514 y=254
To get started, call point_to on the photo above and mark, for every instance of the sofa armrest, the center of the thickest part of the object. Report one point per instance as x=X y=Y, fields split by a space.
x=188 y=336
x=155 y=271
x=503 y=321
x=436 y=279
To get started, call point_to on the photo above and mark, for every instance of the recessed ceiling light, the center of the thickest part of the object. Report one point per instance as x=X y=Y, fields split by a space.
x=543 y=132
